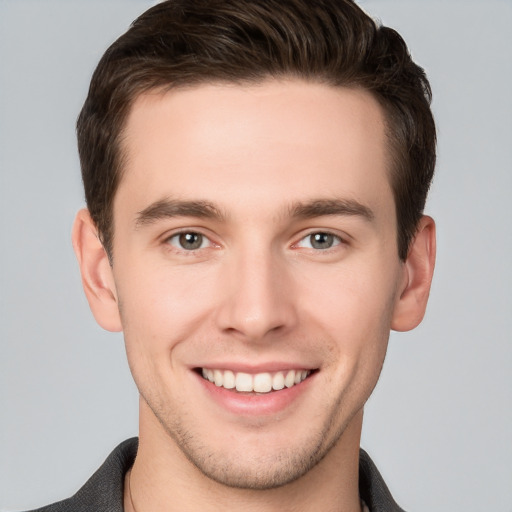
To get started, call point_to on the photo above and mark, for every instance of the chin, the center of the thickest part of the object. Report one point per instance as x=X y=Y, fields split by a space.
x=272 y=472
x=256 y=465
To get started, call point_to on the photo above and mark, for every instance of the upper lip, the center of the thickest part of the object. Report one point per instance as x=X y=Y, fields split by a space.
x=269 y=367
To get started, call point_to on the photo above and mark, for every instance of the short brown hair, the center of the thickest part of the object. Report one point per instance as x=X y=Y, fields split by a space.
x=186 y=42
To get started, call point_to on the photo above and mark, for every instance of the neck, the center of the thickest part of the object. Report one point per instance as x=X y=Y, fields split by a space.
x=162 y=478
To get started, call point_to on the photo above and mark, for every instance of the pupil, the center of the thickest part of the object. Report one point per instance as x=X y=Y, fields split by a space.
x=322 y=240
x=191 y=240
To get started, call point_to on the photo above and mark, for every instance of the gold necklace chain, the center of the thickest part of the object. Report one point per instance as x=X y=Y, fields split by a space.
x=130 y=491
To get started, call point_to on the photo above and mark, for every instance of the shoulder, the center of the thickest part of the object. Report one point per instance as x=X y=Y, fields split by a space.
x=103 y=492
x=372 y=488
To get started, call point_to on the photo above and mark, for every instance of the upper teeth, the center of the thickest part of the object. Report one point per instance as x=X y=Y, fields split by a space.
x=259 y=382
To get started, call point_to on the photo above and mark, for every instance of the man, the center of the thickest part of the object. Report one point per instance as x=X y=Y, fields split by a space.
x=255 y=175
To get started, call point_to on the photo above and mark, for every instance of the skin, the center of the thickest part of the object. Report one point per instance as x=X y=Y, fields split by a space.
x=257 y=293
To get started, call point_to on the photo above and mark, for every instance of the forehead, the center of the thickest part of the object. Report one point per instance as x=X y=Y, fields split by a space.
x=266 y=142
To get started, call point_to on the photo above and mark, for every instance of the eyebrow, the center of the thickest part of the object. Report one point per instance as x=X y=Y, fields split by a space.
x=322 y=207
x=169 y=208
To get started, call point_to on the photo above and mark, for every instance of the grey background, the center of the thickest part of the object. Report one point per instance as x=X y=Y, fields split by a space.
x=439 y=425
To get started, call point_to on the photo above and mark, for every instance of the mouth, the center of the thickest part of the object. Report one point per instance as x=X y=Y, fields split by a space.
x=265 y=382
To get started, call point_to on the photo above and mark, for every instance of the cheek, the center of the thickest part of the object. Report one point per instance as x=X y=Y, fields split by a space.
x=358 y=319
x=354 y=311
x=358 y=295
x=162 y=307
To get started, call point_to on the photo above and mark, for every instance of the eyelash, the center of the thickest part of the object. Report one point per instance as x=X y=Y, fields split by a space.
x=184 y=233
x=336 y=241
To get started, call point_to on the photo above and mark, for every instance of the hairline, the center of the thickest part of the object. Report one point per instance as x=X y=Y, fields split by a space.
x=392 y=152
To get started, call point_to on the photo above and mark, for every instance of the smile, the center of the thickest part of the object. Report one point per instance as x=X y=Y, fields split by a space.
x=258 y=383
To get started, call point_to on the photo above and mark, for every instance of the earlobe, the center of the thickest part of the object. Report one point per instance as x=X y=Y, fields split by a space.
x=418 y=268
x=97 y=276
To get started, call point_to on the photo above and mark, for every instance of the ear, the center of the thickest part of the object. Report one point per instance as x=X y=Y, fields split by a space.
x=97 y=276
x=418 y=270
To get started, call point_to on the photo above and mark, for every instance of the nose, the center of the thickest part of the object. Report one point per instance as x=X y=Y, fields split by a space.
x=257 y=296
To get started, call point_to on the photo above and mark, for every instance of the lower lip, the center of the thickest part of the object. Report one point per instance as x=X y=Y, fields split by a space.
x=255 y=404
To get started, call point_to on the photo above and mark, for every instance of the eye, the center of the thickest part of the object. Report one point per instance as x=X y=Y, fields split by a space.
x=189 y=241
x=320 y=241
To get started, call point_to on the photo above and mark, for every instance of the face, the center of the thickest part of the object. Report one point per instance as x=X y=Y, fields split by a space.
x=256 y=271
